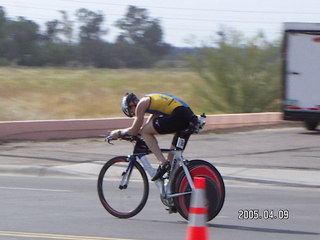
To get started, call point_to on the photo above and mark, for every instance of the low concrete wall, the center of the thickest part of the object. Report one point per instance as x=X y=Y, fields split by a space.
x=242 y=120
x=64 y=129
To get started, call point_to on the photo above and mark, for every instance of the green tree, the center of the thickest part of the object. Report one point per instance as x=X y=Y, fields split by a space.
x=59 y=31
x=91 y=25
x=239 y=75
x=21 y=41
x=57 y=48
x=92 y=46
x=133 y=56
x=3 y=21
x=52 y=31
x=141 y=30
x=66 y=27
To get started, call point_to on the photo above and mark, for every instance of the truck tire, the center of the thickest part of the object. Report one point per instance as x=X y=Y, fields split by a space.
x=311 y=125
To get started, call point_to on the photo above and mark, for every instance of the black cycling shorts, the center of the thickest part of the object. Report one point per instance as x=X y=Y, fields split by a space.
x=178 y=120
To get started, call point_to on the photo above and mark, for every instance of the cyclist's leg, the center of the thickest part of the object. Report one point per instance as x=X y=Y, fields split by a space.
x=174 y=123
x=174 y=144
x=178 y=120
x=180 y=139
x=148 y=133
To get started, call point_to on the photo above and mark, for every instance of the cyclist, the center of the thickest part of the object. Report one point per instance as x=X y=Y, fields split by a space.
x=168 y=115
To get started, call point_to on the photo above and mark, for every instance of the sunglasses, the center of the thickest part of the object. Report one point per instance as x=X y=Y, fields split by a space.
x=132 y=105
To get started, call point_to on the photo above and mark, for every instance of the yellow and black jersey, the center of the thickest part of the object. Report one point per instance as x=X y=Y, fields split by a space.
x=164 y=103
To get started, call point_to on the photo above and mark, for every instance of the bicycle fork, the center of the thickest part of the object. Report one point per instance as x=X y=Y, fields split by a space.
x=127 y=173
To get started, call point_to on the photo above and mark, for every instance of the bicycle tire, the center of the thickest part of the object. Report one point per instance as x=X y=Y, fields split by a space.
x=215 y=188
x=122 y=202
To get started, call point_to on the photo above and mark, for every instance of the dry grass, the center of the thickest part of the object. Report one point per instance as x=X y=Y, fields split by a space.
x=51 y=93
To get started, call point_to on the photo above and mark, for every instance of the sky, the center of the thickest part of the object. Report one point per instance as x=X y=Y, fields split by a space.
x=185 y=23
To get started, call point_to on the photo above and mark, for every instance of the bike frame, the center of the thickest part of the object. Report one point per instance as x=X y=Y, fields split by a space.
x=164 y=188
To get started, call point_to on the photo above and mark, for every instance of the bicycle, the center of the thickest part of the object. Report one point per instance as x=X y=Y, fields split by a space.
x=128 y=177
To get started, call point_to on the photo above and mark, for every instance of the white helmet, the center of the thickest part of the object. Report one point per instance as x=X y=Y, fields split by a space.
x=129 y=97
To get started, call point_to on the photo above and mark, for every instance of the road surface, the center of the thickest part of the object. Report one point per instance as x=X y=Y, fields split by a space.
x=48 y=189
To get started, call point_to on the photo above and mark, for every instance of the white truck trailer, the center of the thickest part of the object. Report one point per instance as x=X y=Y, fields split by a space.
x=301 y=73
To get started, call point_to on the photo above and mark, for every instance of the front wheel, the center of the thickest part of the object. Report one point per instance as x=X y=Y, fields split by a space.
x=215 y=189
x=122 y=201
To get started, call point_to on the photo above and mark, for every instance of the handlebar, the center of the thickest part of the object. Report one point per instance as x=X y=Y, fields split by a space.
x=129 y=138
x=140 y=145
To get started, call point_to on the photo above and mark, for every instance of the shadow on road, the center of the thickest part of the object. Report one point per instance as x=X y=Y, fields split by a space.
x=236 y=227
x=259 y=229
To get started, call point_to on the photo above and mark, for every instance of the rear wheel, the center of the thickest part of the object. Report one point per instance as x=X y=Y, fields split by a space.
x=311 y=125
x=122 y=202
x=215 y=189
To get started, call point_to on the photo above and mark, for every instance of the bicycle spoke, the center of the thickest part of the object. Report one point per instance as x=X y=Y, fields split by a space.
x=119 y=197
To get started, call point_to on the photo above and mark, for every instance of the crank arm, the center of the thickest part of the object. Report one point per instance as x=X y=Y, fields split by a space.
x=178 y=194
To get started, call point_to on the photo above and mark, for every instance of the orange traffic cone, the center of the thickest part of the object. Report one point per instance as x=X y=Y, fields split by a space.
x=197 y=227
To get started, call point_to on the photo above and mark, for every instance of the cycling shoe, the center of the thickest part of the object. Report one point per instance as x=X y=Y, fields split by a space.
x=162 y=169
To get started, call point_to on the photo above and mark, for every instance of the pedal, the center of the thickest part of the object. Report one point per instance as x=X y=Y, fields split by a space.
x=172 y=209
x=165 y=176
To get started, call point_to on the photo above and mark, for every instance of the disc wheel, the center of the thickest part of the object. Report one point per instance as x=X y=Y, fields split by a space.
x=215 y=189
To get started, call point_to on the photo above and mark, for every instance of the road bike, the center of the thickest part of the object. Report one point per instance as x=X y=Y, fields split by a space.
x=123 y=185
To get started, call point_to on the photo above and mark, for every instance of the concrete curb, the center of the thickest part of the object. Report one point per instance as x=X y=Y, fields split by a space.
x=279 y=177
x=68 y=129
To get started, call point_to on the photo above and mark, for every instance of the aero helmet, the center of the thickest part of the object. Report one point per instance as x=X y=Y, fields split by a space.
x=125 y=103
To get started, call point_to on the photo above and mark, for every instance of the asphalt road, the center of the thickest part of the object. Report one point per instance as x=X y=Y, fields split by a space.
x=48 y=189
x=33 y=206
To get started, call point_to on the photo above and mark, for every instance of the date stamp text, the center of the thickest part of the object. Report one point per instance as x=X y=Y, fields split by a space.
x=266 y=214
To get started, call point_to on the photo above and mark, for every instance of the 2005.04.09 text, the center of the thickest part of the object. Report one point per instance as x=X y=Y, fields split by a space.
x=255 y=214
